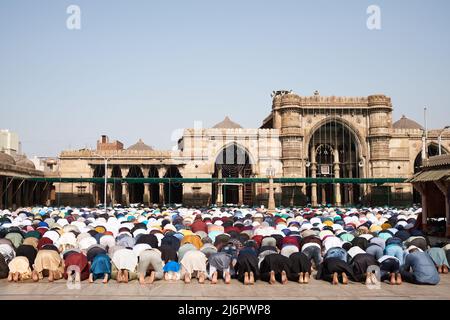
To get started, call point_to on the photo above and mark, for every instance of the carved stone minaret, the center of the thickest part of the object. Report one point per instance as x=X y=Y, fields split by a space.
x=380 y=121
x=287 y=106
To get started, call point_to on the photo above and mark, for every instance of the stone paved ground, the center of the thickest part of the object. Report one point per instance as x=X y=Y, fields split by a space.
x=316 y=290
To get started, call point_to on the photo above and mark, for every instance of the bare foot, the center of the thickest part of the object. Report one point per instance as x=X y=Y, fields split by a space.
x=399 y=279
x=246 y=278
x=16 y=277
x=392 y=280
x=306 y=278
x=272 y=277
x=201 y=278
x=10 y=276
x=35 y=276
x=187 y=278
x=125 y=276
x=227 y=278
x=105 y=278
x=284 y=278
x=444 y=269
x=91 y=278
x=344 y=278
x=251 y=279
x=439 y=269
x=119 y=276
x=335 y=279
x=51 y=277
x=151 y=278
x=300 y=278
x=214 y=278
x=141 y=278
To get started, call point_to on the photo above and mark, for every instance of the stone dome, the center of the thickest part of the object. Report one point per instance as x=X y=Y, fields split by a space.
x=140 y=146
x=227 y=124
x=21 y=160
x=6 y=159
x=405 y=123
x=25 y=163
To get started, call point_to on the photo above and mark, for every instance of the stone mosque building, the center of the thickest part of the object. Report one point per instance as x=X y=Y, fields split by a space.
x=302 y=137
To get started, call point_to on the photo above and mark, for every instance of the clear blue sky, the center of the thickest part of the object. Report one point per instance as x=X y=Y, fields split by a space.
x=142 y=69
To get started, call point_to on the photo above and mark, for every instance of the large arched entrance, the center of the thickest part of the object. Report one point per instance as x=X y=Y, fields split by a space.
x=233 y=161
x=334 y=152
x=173 y=191
x=433 y=150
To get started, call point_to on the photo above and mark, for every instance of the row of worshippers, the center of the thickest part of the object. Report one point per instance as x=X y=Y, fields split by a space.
x=355 y=245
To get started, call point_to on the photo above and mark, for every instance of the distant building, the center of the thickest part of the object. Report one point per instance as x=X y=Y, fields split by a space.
x=302 y=137
x=9 y=142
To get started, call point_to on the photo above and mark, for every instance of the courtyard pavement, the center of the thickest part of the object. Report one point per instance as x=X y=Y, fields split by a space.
x=316 y=290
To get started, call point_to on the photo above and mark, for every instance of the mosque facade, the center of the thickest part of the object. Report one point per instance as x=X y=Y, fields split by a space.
x=302 y=137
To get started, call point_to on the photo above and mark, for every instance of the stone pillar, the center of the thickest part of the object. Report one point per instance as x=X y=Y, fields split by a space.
x=10 y=194
x=422 y=190
x=147 y=194
x=445 y=189
x=18 y=193
x=125 y=194
x=337 y=186
x=313 y=175
x=161 y=193
x=241 y=195
x=1 y=193
x=350 y=186
x=219 y=199
x=161 y=173
x=324 y=194
x=271 y=204
x=111 y=196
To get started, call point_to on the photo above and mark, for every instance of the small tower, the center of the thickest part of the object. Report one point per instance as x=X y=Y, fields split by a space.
x=380 y=122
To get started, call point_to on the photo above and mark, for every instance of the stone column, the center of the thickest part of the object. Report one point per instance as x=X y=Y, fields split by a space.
x=147 y=194
x=161 y=194
x=125 y=194
x=445 y=189
x=219 y=200
x=313 y=175
x=350 y=187
x=337 y=186
x=241 y=195
x=324 y=194
x=161 y=173
x=1 y=193
x=10 y=193
x=422 y=189
x=240 y=192
x=110 y=193
x=18 y=192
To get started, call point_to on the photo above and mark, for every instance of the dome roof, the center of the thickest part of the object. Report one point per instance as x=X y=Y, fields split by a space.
x=140 y=146
x=24 y=162
x=227 y=124
x=405 y=123
x=6 y=159
x=21 y=160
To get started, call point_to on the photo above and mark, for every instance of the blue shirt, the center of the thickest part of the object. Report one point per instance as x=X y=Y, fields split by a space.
x=423 y=267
